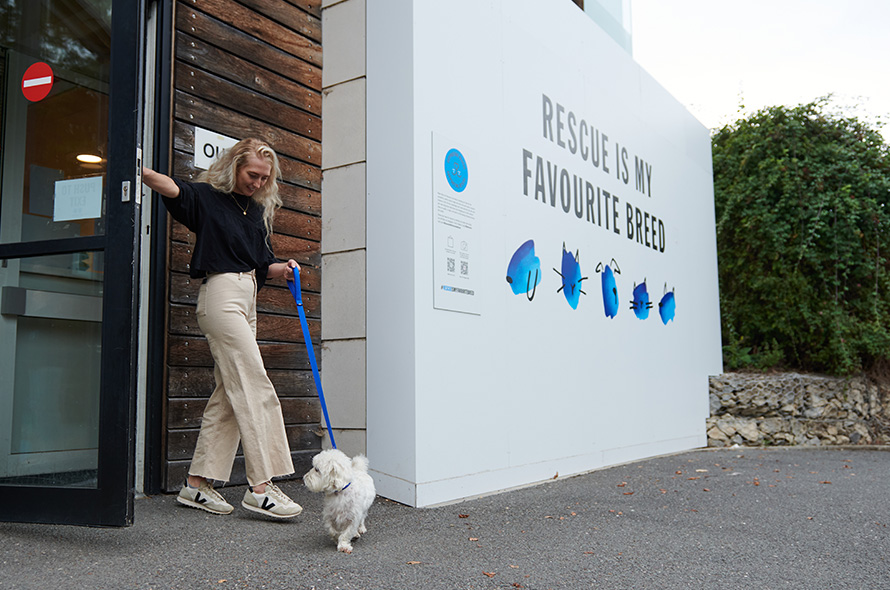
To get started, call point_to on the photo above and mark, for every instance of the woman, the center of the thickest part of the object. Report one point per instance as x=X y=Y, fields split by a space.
x=230 y=211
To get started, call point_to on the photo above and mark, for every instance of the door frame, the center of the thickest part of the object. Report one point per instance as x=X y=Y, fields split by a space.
x=110 y=503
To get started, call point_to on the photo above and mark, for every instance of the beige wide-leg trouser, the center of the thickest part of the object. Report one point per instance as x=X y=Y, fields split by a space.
x=244 y=406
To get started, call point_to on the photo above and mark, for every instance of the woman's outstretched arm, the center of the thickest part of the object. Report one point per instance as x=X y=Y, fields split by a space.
x=160 y=183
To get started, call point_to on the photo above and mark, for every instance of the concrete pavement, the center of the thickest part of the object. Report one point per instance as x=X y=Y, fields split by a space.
x=729 y=518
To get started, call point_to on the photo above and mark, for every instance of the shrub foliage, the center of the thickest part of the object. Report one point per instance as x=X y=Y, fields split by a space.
x=803 y=239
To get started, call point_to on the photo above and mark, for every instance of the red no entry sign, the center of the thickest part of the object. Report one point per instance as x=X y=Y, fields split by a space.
x=37 y=81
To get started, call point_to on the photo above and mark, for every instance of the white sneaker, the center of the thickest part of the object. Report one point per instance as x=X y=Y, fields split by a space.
x=272 y=502
x=204 y=497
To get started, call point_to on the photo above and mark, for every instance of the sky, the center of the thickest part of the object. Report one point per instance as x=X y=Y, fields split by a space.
x=713 y=55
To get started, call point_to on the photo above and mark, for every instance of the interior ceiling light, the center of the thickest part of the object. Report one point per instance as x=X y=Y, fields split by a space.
x=89 y=159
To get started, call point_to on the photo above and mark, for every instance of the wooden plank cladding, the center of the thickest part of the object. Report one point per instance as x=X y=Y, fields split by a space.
x=184 y=413
x=209 y=115
x=248 y=68
x=198 y=382
x=301 y=435
x=270 y=299
x=192 y=50
x=255 y=24
x=269 y=327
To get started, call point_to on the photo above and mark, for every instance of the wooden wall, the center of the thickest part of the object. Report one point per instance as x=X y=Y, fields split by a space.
x=250 y=68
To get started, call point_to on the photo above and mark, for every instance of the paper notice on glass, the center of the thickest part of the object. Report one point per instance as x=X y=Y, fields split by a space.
x=78 y=198
x=455 y=227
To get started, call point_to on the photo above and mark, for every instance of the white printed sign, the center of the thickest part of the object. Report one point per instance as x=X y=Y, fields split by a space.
x=208 y=146
x=79 y=198
x=454 y=228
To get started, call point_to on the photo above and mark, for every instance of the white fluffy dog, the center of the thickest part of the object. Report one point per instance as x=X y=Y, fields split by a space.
x=348 y=494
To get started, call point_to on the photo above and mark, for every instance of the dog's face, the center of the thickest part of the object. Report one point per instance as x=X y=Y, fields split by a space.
x=331 y=471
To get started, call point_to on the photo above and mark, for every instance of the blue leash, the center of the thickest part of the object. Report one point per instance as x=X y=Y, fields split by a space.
x=295 y=290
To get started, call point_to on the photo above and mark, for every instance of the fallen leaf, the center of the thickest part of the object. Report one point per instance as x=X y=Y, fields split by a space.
x=463 y=516
x=663 y=491
x=556 y=476
x=490 y=574
x=515 y=567
x=516 y=585
x=412 y=562
x=588 y=553
x=701 y=470
x=824 y=482
x=691 y=478
x=628 y=494
x=706 y=490
x=678 y=472
x=622 y=484
x=474 y=538
x=222 y=581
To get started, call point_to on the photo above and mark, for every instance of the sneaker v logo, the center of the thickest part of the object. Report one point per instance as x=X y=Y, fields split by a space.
x=267 y=504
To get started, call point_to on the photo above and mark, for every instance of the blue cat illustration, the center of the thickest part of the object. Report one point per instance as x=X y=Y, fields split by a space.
x=667 y=307
x=610 y=288
x=571 y=277
x=524 y=270
x=641 y=304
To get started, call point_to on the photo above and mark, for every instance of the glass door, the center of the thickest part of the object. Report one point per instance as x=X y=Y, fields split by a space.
x=69 y=222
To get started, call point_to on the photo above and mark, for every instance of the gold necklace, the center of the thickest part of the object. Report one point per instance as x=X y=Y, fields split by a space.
x=243 y=209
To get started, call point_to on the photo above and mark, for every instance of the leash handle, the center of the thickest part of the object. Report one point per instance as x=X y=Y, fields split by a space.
x=296 y=291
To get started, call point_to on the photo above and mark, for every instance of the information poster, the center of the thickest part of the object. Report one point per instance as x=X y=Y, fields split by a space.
x=455 y=231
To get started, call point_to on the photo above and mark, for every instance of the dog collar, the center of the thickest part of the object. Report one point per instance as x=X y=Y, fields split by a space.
x=344 y=487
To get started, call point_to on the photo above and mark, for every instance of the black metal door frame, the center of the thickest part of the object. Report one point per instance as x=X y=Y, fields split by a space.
x=110 y=503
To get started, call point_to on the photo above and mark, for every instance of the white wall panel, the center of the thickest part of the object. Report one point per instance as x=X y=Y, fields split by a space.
x=522 y=389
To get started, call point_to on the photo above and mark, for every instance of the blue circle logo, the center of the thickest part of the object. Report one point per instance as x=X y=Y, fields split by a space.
x=456 y=170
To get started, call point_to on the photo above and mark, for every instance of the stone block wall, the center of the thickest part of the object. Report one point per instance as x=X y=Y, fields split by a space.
x=754 y=409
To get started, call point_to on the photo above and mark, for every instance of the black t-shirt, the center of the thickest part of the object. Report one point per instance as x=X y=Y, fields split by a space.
x=227 y=239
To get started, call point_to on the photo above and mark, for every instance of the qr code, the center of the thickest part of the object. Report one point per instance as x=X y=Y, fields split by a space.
x=464 y=267
x=451 y=265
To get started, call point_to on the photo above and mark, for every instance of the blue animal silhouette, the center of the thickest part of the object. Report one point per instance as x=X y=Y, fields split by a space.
x=571 y=277
x=641 y=304
x=667 y=307
x=610 y=289
x=524 y=270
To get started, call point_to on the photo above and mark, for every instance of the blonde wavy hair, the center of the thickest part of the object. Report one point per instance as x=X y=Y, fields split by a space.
x=223 y=171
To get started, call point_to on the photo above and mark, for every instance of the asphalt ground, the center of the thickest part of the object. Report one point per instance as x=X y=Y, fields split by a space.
x=730 y=518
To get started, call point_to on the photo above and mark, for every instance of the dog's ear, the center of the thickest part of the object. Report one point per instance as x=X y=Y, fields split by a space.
x=340 y=475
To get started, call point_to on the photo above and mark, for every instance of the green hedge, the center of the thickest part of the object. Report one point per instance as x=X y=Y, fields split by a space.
x=803 y=236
